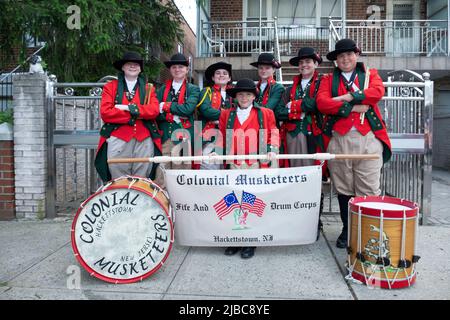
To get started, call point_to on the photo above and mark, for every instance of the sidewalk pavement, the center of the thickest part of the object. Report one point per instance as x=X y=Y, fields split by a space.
x=37 y=262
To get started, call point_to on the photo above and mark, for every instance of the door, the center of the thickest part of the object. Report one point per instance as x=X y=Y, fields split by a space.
x=402 y=29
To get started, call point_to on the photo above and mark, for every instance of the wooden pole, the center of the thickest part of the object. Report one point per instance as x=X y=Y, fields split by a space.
x=315 y=156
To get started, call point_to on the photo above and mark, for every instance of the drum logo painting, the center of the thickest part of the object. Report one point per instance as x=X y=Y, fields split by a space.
x=121 y=235
x=374 y=246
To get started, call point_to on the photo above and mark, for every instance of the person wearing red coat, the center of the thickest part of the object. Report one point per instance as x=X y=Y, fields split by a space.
x=129 y=107
x=245 y=121
x=355 y=125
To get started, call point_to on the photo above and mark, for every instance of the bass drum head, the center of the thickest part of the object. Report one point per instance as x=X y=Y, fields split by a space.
x=122 y=234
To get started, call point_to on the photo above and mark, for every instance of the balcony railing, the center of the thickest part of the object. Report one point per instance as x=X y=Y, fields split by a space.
x=228 y=38
x=375 y=37
x=393 y=37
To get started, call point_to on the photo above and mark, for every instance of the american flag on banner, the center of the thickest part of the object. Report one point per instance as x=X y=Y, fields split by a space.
x=253 y=204
x=226 y=205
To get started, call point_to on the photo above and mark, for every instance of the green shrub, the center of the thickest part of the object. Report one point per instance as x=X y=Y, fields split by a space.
x=6 y=116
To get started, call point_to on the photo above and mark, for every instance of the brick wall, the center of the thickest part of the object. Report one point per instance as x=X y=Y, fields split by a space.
x=189 y=43
x=7 y=67
x=7 y=198
x=357 y=9
x=226 y=10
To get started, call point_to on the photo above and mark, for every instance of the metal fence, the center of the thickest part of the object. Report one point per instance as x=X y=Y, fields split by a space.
x=408 y=113
x=292 y=38
x=393 y=37
x=225 y=38
x=6 y=91
x=228 y=38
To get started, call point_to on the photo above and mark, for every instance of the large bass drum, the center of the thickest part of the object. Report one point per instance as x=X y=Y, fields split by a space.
x=123 y=233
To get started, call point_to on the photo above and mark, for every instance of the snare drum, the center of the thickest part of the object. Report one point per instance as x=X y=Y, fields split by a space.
x=382 y=241
x=123 y=233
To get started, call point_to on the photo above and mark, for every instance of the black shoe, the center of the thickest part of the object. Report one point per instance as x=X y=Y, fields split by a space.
x=341 y=242
x=247 y=252
x=231 y=250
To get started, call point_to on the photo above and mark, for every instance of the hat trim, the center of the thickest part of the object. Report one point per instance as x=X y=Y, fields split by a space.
x=333 y=54
x=298 y=58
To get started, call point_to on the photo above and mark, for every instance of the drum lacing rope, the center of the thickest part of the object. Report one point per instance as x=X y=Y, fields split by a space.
x=402 y=251
x=376 y=267
x=133 y=181
x=103 y=188
x=155 y=192
x=381 y=248
x=358 y=252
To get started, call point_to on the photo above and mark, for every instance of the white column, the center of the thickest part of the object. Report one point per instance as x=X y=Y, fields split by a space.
x=318 y=12
x=448 y=27
x=30 y=145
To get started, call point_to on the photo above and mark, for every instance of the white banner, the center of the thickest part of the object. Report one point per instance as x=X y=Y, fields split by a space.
x=265 y=207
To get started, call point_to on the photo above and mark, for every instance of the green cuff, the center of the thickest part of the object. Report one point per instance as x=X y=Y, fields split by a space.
x=345 y=110
x=309 y=105
x=358 y=97
x=374 y=121
x=134 y=110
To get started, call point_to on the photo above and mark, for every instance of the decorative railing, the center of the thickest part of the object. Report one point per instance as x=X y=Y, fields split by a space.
x=225 y=38
x=228 y=38
x=393 y=37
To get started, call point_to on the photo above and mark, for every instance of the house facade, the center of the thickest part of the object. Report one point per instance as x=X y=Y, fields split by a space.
x=393 y=35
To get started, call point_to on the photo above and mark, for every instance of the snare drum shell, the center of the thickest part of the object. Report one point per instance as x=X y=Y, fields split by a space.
x=392 y=241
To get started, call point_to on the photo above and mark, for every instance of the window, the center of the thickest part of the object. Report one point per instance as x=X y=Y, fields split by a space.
x=304 y=12
x=253 y=9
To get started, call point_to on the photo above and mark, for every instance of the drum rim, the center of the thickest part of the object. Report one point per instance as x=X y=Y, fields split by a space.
x=94 y=273
x=413 y=210
x=397 y=284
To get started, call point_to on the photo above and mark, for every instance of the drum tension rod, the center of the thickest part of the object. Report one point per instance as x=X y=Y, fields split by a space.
x=404 y=264
x=361 y=257
x=415 y=259
x=383 y=262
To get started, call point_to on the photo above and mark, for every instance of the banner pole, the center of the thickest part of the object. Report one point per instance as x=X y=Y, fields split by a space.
x=315 y=156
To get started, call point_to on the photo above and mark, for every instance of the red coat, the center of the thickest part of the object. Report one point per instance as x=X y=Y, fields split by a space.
x=110 y=114
x=117 y=120
x=253 y=123
x=347 y=119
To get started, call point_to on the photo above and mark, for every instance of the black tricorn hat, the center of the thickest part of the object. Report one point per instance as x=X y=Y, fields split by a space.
x=129 y=57
x=343 y=45
x=177 y=58
x=305 y=53
x=243 y=85
x=209 y=72
x=266 y=58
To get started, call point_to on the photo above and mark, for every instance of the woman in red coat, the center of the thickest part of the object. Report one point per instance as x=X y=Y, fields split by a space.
x=128 y=108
